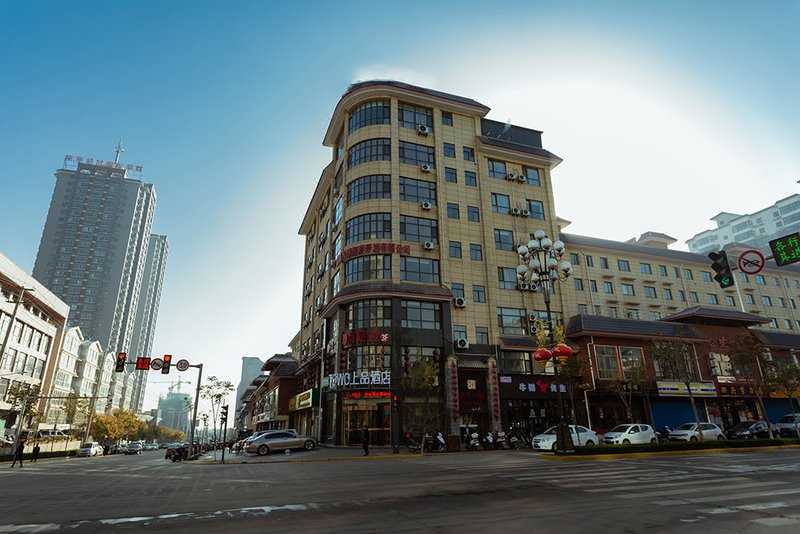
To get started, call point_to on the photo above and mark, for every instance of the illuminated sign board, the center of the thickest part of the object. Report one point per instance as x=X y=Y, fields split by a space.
x=678 y=389
x=303 y=400
x=72 y=161
x=786 y=249
x=356 y=379
x=374 y=248
x=366 y=336
x=366 y=394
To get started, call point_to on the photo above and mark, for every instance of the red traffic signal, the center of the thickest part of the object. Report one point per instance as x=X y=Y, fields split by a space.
x=120 y=366
x=166 y=365
x=395 y=403
x=142 y=363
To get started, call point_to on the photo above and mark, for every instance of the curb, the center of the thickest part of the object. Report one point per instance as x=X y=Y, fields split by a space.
x=663 y=453
x=305 y=460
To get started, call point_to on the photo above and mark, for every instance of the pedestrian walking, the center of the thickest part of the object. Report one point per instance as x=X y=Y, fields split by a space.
x=365 y=440
x=18 y=454
x=36 y=449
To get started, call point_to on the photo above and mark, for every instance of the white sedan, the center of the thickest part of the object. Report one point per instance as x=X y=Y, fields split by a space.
x=580 y=436
x=690 y=432
x=628 y=434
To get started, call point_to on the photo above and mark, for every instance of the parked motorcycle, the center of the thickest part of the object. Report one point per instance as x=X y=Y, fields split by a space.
x=474 y=443
x=663 y=434
x=429 y=444
x=501 y=441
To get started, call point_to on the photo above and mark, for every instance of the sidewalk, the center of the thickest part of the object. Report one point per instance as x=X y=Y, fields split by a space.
x=323 y=453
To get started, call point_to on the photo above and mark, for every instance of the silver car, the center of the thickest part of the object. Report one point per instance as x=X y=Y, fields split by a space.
x=630 y=433
x=689 y=432
x=280 y=440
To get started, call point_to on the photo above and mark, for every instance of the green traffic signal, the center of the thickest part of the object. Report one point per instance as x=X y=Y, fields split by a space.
x=724 y=276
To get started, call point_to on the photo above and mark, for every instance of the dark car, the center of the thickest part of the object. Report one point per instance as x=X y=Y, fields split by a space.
x=748 y=430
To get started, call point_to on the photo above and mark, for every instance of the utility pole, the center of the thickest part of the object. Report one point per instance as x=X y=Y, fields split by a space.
x=196 y=400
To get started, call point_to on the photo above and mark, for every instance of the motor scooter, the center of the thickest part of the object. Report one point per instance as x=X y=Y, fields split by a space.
x=501 y=441
x=474 y=443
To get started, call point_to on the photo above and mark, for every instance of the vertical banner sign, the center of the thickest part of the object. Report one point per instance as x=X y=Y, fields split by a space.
x=786 y=249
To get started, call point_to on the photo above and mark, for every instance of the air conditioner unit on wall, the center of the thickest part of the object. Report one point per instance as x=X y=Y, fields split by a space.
x=532 y=318
x=524 y=212
x=522 y=286
x=424 y=130
x=515 y=211
x=521 y=178
x=462 y=343
x=426 y=205
x=511 y=176
x=460 y=302
x=428 y=245
x=425 y=167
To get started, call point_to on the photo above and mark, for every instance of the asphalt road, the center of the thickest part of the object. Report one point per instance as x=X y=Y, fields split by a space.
x=461 y=493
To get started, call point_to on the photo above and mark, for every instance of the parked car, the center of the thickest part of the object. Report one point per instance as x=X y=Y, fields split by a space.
x=134 y=448
x=279 y=440
x=628 y=434
x=121 y=449
x=689 y=432
x=580 y=436
x=91 y=448
x=151 y=447
x=787 y=426
x=172 y=447
x=50 y=434
x=749 y=430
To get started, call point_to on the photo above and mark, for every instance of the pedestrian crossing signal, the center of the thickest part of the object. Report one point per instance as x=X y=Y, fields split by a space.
x=142 y=363
x=167 y=361
x=120 y=367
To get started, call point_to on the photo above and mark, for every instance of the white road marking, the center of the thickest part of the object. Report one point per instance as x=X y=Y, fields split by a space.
x=793 y=519
x=728 y=497
x=695 y=490
x=666 y=485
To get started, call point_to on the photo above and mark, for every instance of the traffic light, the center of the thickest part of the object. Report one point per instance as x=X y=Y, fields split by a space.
x=120 y=367
x=142 y=363
x=721 y=266
x=167 y=362
x=395 y=403
x=223 y=415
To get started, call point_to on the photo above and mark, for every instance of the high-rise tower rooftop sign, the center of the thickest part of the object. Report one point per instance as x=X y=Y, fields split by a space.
x=71 y=163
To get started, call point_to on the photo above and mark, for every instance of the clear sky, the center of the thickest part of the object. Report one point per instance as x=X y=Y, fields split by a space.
x=665 y=114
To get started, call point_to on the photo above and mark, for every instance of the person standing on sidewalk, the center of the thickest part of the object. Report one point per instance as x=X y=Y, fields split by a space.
x=36 y=450
x=365 y=440
x=18 y=454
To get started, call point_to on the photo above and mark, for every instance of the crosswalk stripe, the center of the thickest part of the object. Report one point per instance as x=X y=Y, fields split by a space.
x=728 y=497
x=555 y=477
x=793 y=519
x=654 y=477
x=666 y=485
x=680 y=491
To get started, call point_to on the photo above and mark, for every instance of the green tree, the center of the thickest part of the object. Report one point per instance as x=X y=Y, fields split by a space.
x=785 y=378
x=23 y=397
x=105 y=426
x=627 y=387
x=745 y=353
x=216 y=391
x=675 y=360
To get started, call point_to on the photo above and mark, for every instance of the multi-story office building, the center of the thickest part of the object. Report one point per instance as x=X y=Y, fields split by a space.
x=756 y=229
x=65 y=373
x=173 y=411
x=93 y=253
x=251 y=368
x=147 y=313
x=32 y=326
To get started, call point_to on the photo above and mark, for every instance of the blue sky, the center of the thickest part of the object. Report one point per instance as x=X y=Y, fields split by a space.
x=665 y=115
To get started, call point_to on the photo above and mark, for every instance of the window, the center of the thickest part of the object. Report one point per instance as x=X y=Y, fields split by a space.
x=624 y=265
x=369 y=226
x=375 y=112
x=688 y=274
x=608 y=287
x=583 y=309
x=469 y=154
x=417 y=191
x=369 y=150
x=730 y=301
x=574 y=259
x=414 y=154
x=760 y=280
x=470 y=178
x=781 y=302
x=712 y=298
x=478 y=294
x=649 y=292
x=511 y=321
x=535 y=209
x=418 y=230
x=693 y=296
x=425 y=315
x=368 y=313
x=507 y=277
x=457 y=290
x=645 y=268
x=603 y=263
x=368 y=268
x=748 y=298
x=459 y=331
x=419 y=270
x=593 y=286
x=773 y=323
x=475 y=252
x=612 y=311
x=531 y=176
x=500 y=203
x=667 y=293
x=481 y=335
x=676 y=272
x=607 y=362
x=589 y=261
x=627 y=289
x=450 y=175
x=449 y=150
x=411 y=116
x=455 y=249
x=662 y=270
x=497 y=169
x=578 y=284
x=369 y=187
x=632 y=314
x=632 y=361
x=473 y=214
x=744 y=277
x=452 y=211
x=787 y=324
x=705 y=276
x=447 y=118
x=515 y=363
x=655 y=316
x=766 y=301
x=503 y=240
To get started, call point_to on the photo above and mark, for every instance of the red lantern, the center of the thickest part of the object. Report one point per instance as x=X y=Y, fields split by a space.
x=562 y=350
x=542 y=355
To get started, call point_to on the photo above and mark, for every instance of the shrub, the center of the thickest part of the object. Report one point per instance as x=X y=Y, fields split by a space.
x=684 y=446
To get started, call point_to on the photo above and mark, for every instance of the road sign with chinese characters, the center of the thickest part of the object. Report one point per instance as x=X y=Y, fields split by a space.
x=786 y=249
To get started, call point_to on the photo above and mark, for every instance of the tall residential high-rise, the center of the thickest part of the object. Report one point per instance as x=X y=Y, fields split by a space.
x=147 y=312
x=251 y=368
x=93 y=249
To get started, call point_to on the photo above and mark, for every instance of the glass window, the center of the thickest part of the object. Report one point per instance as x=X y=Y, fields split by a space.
x=452 y=211
x=450 y=175
x=531 y=176
x=503 y=239
x=645 y=268
x=730 y=301
x=667 y=293
x=369 y=150
x=369 y=187
x=457 y=290
x=688 y=274
x=578 y=284
x=712 y=298
x=455 y=249
x=478 y=294
x=418 y=230
x=511 y=320
x=649 y=292
x=417 y=191
x=583 y=309
x=507 y=277
x=515 y=363
x=368 y=313
x=589 y=261
x=475 y=252
x=449 y=150
x=662 y=270
x=368 y=268
x=481 y=335
x=501 y=203
x=607 y=362
x=470 y=178
x=766 y=301
x=655 y=316
x=497 y=169
x=760 y=280
x=459 y=331
x=369 y=226
x=419 y=270
x=593 y=286
x=447 y=118
x=603 y=263
x=415 y=154
x=473 y=214
x=411 y=116
x=375 y=112
x=624 y=265
x=631 y=313
x=535 y=209
x=705 y=276
x=748 y=298
x=676 y=272
x=627 y=289
x=469 y=154
x=574 y=259
x=608 y=287
x=632 y=361
x=693 y=296
x=426 y=315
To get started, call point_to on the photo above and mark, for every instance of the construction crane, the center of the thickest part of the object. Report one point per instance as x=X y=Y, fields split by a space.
x=172 y=383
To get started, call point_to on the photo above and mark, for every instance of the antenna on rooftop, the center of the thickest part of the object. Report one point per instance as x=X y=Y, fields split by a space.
x=119 y=150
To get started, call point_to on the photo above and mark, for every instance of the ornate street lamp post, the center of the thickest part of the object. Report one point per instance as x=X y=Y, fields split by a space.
x=539 y=269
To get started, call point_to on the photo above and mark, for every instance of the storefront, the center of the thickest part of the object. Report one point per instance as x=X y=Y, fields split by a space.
x=303 y=409
x=736 y=402
x=672 y=406
x=366 y=408
x=531 y=402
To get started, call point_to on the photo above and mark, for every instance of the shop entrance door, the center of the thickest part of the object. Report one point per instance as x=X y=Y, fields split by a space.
x=374 y=414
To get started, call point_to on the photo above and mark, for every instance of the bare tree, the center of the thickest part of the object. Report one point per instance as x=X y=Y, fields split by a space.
x=675 y=360
x=215 y=391
x=627 y=387
x=745 y=353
